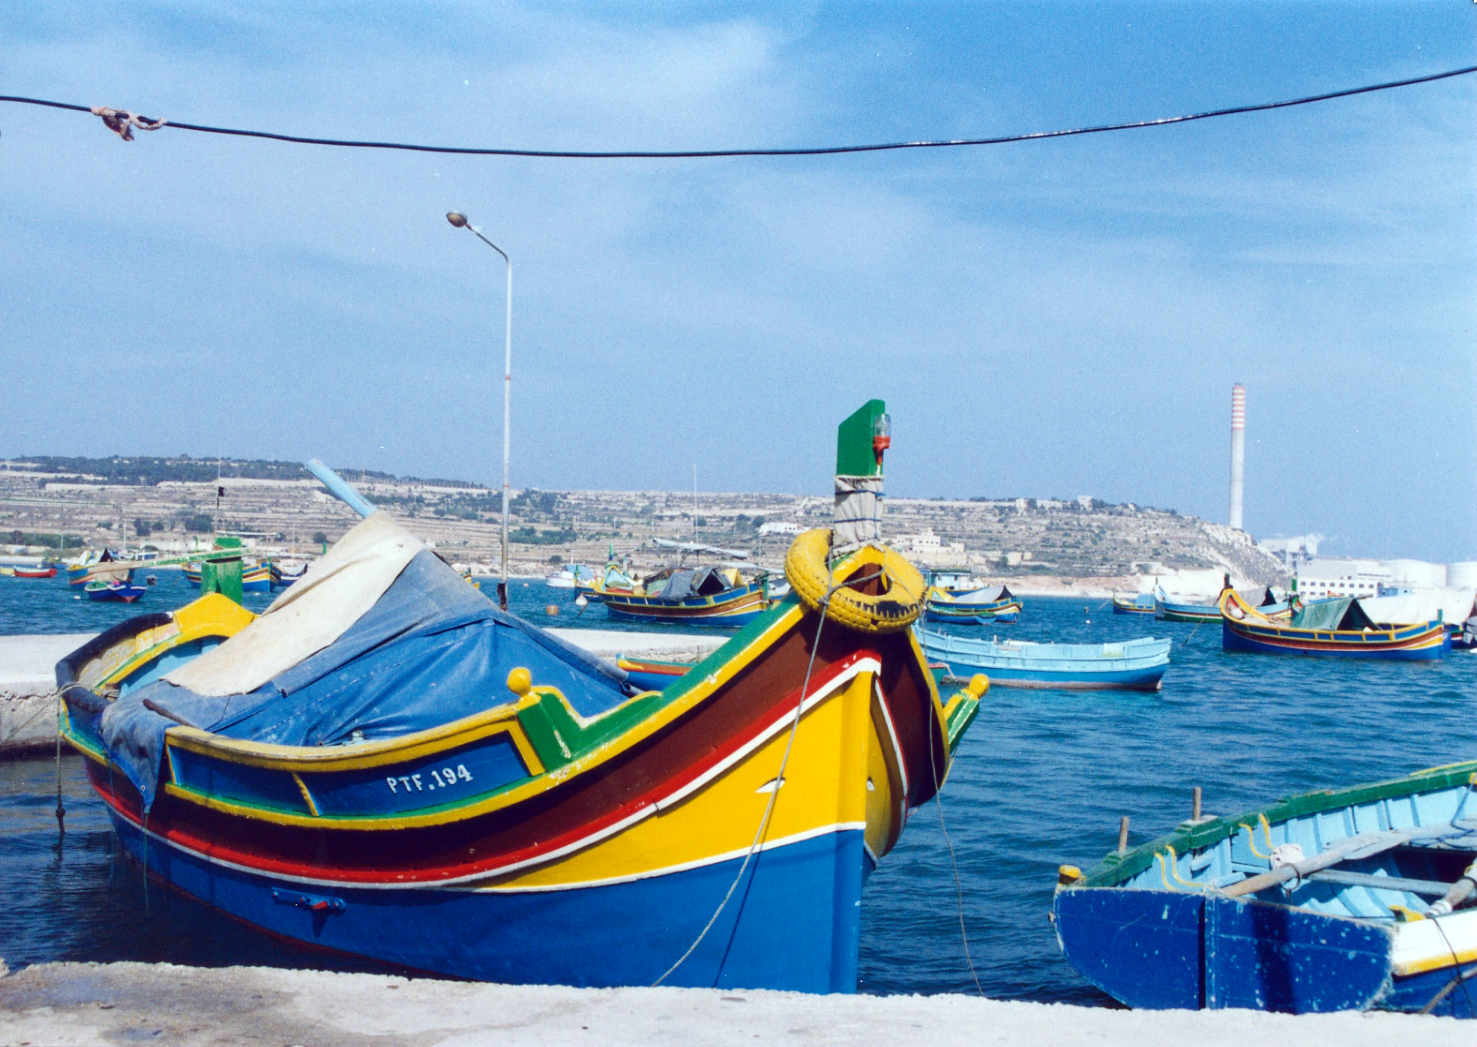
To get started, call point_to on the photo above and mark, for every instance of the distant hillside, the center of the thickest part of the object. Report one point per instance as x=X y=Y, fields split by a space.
x=145 y=471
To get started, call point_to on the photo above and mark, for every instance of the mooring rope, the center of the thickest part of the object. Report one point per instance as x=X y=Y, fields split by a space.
x=938 y=792
x=768 y=807
x=1459 y=980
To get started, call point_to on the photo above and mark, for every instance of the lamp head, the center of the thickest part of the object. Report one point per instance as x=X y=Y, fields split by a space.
x=456 y=218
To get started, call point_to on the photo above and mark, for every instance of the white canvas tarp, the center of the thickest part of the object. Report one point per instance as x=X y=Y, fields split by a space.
x=319 y=608
x=1420 y=605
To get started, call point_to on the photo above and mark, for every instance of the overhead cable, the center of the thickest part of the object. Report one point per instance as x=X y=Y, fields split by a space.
x=698 y=154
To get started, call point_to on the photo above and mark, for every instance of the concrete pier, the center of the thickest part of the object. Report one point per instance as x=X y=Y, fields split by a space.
x=28 y=674
x=71 y=1003
x=27 y=682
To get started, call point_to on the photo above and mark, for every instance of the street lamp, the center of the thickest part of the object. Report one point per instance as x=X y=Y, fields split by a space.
x=459 y=220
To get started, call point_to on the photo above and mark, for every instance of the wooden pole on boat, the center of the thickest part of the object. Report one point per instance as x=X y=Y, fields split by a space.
x=1195 y=807
x=1123 y=835
x=459 y=220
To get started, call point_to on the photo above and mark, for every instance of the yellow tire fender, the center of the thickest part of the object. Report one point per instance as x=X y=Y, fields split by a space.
x=895 y=608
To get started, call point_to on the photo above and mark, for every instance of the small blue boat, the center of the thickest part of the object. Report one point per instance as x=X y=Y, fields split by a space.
x=1133 y=665
x=115 y=591
x=1349 y=899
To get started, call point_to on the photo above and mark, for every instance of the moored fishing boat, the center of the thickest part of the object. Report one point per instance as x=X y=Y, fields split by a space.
x=709 y=596
x=282 y=575
x=1176 y=608
x=94 y=566
x=1140 y=603
x=48 y=571
x=652 y=673
x=978 y=607
x=114 y=591
x=1336 y=628
x=385 y=764
x=256 y=578
x=1336 y=900
x=569 y=575
x=1132 y=665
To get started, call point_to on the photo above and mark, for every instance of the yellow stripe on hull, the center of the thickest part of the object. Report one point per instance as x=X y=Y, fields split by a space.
x=836 y=749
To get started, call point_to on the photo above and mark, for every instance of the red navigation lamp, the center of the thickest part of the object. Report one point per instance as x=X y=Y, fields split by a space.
x=881 y=436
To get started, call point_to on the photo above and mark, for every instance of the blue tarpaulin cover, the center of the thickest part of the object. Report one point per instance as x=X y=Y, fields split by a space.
x=431 y=650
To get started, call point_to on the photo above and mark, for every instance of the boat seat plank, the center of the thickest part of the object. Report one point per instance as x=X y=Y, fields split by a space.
x=1433 y=888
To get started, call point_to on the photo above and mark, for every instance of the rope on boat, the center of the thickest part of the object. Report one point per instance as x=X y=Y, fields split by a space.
x=938 y=802
x=768 y=807
x=1460 y=979
x=61 y=811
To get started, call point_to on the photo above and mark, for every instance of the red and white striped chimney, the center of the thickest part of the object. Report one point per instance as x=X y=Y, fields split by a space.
x=1238 y=451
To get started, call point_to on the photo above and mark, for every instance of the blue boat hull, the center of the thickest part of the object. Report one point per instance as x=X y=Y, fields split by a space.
x=1233 y=640
x=956 y=618
x=726 y=621
x=1164 y=950
x=794 y=923
x=1123 y=680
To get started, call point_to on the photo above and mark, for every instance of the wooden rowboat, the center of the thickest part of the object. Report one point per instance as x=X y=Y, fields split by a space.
x=1133 y=665
x=1335 y=900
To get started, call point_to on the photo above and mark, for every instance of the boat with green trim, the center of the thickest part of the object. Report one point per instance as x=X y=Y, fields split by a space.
x=385 y=764
x=1349 y=899
x=1336 y=628
x=986 y=606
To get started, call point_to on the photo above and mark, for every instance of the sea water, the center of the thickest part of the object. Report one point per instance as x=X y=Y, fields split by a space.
x=1041 y=779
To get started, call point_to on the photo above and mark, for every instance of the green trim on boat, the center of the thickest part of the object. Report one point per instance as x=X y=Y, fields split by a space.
x=1115 y=867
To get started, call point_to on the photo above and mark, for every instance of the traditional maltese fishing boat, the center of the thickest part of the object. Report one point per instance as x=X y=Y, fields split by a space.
x=385 y=764
x=711 y=596
x=1336 y=628
x=1353 y=899
x=980 y=607
x=1142 y=603
x=254 y=579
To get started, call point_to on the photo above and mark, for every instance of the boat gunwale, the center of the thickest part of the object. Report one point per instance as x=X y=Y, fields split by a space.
x=1115 y=868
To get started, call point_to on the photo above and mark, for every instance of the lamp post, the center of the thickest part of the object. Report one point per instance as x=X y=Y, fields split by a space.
x=459 y=220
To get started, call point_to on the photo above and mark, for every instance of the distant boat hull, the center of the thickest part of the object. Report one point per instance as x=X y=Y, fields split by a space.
x=256 y=579
x=1137 y=606
x=729 y=609
x=115 y=592
x=1185 y=612
x=1137 y=665
x=1244 y=629
x=943 y=605
x=36 y=572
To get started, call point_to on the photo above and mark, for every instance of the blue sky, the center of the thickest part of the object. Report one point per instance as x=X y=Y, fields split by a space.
x=1044 y=319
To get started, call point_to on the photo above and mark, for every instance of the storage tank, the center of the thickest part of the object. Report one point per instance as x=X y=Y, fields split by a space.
x=1462 y=575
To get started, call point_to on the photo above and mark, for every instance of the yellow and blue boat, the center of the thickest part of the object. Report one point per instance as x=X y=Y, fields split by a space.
x=254 y=579
x=988 y=606
x=708 y=596
x=1336 y=628
x=1140 y=603
x=385 y=764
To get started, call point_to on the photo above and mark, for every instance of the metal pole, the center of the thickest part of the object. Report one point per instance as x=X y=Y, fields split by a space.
x=459 y=220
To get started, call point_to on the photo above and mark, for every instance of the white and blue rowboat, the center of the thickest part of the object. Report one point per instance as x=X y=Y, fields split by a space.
x=1133 y=665
x=1351 y=899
